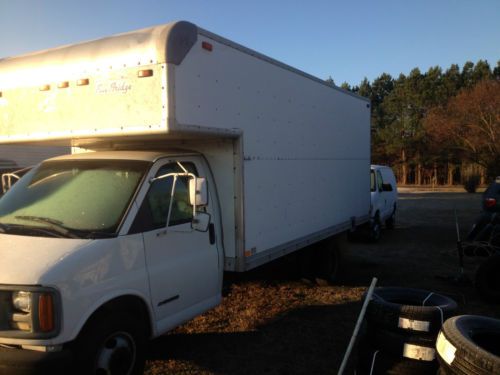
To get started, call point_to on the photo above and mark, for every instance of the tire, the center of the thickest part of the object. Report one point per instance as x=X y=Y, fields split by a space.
x=372 y=361
x=488 y=279
x=327 y=261
x=414 y=347
x=375 y=229
x=112 y=345
x=390 y=223
x=468 y=345
x=407 y=310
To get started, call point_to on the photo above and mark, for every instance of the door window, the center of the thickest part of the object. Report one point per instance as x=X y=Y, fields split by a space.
x=154 y=209
x=380 y=182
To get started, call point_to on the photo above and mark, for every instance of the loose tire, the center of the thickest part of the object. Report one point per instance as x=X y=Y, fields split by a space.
x=111 y=345
x=398 y=345
x=406 y=309
x=372 y=361
x=469 y=345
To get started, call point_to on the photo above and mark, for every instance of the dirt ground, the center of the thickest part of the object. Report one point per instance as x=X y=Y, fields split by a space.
x=271 y=322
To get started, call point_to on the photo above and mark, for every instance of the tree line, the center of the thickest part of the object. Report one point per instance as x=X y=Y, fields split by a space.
x=437 y=127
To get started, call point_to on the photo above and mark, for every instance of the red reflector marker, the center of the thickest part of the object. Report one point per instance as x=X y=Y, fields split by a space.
x=207 y=46
x=490 y=202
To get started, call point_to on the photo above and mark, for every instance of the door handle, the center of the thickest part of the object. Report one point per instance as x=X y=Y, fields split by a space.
x=211 y=233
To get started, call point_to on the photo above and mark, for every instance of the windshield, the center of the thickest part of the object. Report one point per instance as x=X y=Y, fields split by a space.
x=75 y=199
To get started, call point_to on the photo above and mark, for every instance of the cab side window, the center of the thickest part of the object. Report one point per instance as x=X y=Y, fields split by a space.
x=154 y=209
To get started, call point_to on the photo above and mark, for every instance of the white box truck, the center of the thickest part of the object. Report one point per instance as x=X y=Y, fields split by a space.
x=201 y=156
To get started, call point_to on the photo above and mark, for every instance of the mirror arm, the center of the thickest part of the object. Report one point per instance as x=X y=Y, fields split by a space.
x=172 y=191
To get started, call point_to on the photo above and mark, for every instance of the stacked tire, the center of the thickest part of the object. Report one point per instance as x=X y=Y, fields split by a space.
x=469 y=345
x=402 y=325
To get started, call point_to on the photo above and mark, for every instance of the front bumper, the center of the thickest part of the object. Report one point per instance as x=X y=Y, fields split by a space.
x=28 y=362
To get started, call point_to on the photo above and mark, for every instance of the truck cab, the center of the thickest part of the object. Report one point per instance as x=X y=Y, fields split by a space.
x=123 y=232
x=181 y=168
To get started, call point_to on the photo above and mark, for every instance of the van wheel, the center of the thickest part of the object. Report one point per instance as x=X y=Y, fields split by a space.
x=111 y=345
x=375 y=229
x=391 y=221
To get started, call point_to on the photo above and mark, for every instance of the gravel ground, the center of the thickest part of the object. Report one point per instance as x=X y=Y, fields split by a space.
x=272 y=322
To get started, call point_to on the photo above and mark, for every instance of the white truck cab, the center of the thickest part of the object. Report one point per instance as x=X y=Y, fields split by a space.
x=192 y=155
x=384 y=197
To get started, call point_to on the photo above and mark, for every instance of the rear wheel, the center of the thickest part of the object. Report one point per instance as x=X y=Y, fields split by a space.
x=327 y=261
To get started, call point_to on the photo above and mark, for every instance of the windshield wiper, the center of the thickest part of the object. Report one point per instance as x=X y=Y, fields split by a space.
x=55 y=225
x=4 y=228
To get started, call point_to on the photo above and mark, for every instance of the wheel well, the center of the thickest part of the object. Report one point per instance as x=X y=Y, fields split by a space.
x=129 y=304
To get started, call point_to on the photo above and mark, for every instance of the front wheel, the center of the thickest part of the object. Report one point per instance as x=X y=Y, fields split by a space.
x=375 y=229
x=111 y=345
x=390 y=223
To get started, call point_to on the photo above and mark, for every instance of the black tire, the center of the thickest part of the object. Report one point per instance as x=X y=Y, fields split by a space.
x=390 y=223
x=111 y=344
x=488 y=279
x=375 y=229
x=415 y=347
x=406 y=310
x=372 y=361
x=327 y=261
x=468 y=345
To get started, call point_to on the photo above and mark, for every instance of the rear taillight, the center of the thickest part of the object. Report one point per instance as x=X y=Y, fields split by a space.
x=490 y=202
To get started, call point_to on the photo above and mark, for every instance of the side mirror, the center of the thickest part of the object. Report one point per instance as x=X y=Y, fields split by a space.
x=386 y=187
x=201 y=222
x=198 y=192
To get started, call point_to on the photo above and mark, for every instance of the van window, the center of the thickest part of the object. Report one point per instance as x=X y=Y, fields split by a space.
x=372 y=180
x=380 y=182
x=154 y=209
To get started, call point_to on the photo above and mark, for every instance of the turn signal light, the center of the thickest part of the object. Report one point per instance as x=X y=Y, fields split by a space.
x=45 y=88
x=63 y=85
x=46 y=312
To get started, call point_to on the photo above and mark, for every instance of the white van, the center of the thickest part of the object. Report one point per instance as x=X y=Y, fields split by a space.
x=384 y=196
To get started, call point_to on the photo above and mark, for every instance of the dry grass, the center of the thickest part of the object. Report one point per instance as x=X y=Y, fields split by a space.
x=271 y=322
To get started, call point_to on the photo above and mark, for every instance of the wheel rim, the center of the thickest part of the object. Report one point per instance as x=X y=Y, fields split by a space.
x=376 y=229
x=117 y=355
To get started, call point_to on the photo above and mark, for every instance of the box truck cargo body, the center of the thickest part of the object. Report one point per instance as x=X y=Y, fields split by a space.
x=192 y=155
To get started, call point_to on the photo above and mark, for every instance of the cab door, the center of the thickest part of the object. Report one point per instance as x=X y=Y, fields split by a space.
x=183 y=264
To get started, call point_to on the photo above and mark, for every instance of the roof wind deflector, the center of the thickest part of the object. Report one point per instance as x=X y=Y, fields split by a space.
x=180 y=38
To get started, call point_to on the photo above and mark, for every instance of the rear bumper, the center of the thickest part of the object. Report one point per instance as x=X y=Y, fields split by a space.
x=29 y=362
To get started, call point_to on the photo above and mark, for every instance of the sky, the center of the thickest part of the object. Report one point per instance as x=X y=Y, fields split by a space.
x=347 y=40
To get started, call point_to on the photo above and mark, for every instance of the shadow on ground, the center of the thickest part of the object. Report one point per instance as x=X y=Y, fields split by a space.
x=303 y=341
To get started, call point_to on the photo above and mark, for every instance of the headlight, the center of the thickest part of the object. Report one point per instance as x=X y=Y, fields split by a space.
x=29 y=312
x=22 y=301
